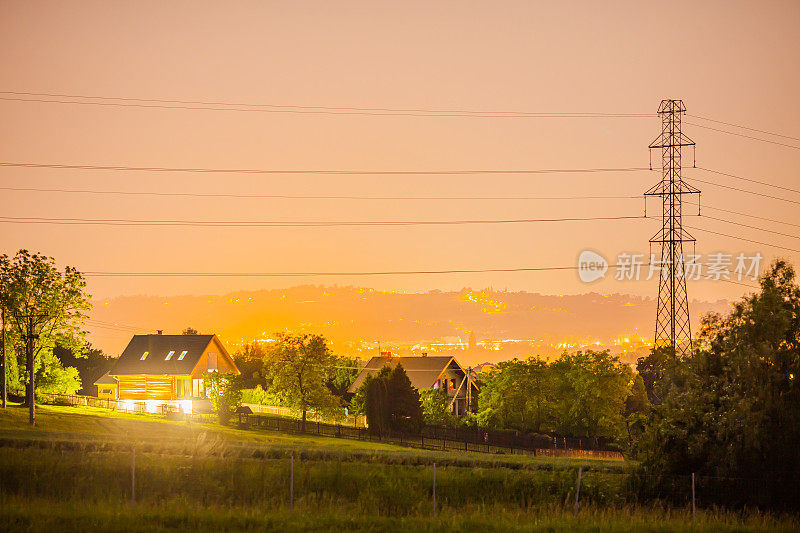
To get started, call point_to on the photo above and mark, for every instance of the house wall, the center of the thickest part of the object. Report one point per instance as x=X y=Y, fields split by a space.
x=145 y=387
x=107 y=387
x=224 y=361
x=451 y=389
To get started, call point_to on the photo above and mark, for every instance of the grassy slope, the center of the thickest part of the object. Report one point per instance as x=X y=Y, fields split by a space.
x=70 y=423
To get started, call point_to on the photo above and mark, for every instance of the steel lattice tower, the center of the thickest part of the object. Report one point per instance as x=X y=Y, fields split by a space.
x=673 y=328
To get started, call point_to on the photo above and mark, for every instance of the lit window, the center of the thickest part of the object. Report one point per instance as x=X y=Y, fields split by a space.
x=182 y=355
x=144 y=356
x=169 y=355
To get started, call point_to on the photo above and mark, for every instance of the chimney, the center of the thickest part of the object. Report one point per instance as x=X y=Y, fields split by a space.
x=424 y=354
x=159 y=332
x=386 y=354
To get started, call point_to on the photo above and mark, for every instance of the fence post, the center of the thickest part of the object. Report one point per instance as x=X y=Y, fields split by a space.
x=291 y=483
x=692 y=495
x=578 y=489
x=133 y=476
x=434 y=490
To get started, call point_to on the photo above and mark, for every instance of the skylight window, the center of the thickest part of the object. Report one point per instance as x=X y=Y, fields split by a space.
x=144 y=356
x=182 y=355
x=169 y=355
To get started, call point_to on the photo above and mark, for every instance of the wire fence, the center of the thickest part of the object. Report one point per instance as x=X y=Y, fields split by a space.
x=137 y=472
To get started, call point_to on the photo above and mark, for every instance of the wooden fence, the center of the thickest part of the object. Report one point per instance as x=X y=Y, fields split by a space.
x=276 y=410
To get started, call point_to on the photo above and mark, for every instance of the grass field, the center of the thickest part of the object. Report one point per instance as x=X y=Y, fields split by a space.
x=73 y=471
x=125 y=429
x=46 y=515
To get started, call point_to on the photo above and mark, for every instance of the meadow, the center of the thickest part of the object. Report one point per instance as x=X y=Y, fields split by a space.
x=74 y=471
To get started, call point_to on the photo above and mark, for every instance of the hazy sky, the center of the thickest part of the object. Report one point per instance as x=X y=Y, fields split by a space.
x=731 y=61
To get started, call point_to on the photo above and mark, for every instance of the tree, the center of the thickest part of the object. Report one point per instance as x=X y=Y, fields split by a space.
x=224 y=391
x=389 y=401
x=90 y=362
x=295 y=368
x=591 y=388
x=436 y=407
x=731 y=408
x=343 y=374
x=250 y=362
x=518 y=395
x=371 y=400
x=43 y=306
x=637 y=407
x=651 y=369
x=405 y=412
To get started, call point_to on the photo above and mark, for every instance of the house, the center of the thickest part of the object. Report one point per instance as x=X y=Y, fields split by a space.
x=434 y=372
x=106 y=387
x=168 y=369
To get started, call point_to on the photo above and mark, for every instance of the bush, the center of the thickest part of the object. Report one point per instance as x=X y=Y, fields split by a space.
x=225 y=394
x=260 y=396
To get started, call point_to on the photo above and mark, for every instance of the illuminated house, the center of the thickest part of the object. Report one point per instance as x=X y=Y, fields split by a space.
x=435 y=372
x=168 y=369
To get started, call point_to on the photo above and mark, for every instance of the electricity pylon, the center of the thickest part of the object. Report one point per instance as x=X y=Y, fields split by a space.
x=673 y=328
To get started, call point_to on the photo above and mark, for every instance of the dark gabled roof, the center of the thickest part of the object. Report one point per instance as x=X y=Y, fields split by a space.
x=422 y=371
x=106 y=379
x=158 y=346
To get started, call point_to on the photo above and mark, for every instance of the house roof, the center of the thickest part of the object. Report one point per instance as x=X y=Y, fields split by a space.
x=422 y=371
x=158 y=346
x=106 y=379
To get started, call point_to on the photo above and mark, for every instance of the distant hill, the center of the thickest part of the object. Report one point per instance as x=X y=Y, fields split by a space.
x=357 y=319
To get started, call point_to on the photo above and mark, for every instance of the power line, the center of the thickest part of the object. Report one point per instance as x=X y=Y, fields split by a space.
x=308 y=197
x=750 y=180
x=753 y=227
x=715 y=184
x=743 y=239
x=348 y=197
x=305 y=110
x=321 y=111
x=291 y=224
x=747 y=215
x=114 y=328
x=117 y=324
x=746 y=127
x=323 y=171
x=743 y=135
x=322 y=274
x=353 y=274
x=739 y=283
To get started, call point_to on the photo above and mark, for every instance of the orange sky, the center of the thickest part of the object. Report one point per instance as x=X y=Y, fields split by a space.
x=732 y=61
